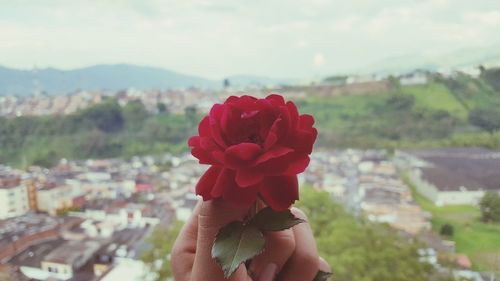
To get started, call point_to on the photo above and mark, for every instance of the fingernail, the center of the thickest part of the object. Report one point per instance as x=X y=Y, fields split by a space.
x=269 y=272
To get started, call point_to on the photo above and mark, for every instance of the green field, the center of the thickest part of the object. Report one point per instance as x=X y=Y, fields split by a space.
x=478 y=240
x=436 y=96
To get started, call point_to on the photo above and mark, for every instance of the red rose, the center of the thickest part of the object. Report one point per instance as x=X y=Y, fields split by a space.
x=256 y=148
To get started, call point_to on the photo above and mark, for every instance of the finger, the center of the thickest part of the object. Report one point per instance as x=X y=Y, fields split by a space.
x=184 y=249
x=324 y=266
x=213 y=215
x=269 y=272
x=304 y=263
x=279 y=248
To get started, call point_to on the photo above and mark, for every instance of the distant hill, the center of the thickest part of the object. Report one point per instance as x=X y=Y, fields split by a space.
x=253 y=80
x=487 y=56
x=100 y=77
x=112 y=77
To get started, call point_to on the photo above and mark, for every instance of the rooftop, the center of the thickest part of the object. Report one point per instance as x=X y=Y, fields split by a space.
x=452 y=169
x=34 y=254
x=72 y=251
x=12 y=229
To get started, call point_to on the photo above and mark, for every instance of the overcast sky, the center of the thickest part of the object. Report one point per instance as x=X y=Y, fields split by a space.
x=215 y=38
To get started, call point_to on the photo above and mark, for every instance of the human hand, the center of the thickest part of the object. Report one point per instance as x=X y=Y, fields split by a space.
x=290 y=255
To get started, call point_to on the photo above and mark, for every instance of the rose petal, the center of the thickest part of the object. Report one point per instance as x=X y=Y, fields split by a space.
x=275 y=99
x=297 y=166
x=207 y=182
x=226 y=186
x=246 y=177
x=204 y=157
x=304 y=141
x=208 y=144
x=271 y=139
x=244 y=197
x=280 y=192
x=204 y=127
x=223 y=182
x=218 y=156
x=286 y=125
x=306 y=121
x=214 y=119
x=194 y=141
x=230 y=121
x=241 y=154
x=275 y=152
x=243 y=103
x=274 y=134
x=294 y=113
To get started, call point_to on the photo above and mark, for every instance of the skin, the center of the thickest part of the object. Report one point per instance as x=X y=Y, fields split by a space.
x=290 y=255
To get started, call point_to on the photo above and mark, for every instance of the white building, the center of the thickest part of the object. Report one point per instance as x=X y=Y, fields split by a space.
x=13 y=200
x=415 y=78
x=54 y=198
x=453 y=176
x=69 y=257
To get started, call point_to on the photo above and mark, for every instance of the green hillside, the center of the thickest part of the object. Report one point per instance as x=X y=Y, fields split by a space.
x=436 y=96
x=458 y=111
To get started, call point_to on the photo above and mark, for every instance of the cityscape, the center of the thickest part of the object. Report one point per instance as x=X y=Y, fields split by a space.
x=90 y=219
x=104 y=138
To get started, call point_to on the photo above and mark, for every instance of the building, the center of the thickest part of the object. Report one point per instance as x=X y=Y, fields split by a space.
x=69 y=257
x=13 y=197
x=51 y=198
x=453 y=176
x=414 y=78
x=19 y=233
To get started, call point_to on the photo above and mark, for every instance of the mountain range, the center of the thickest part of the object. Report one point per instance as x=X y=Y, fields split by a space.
x=117 y=77
x=113 y=78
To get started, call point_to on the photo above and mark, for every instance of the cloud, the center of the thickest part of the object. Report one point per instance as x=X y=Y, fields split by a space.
x=346 y=24
x=319 y=60
x=216 y=38
x=487 y=18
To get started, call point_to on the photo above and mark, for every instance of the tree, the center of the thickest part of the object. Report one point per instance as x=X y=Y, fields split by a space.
x=400 y=102
x=447 y=230
x=487 y=119
x=191 y=113
x=358 y=250
x=490 y=207
x=134 y=113
x=106 y=116
x=162 y=108
x=492 y=76
x=157 y=258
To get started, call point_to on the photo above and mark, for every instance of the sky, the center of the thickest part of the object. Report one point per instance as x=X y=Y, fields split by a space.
x=218 y=38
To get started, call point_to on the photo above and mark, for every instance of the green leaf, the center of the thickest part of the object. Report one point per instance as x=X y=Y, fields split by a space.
x=322 y=276
x=236 y=243
x=269 y=220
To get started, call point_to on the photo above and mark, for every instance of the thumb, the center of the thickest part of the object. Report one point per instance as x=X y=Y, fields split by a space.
x=214 y=215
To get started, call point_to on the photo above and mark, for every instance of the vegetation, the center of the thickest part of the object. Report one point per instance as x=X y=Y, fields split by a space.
x=473 y=237
x=157 y=257
x=487 y=119
x=491 y=76
x=459 y=111
x=356 y=249
x=102 y=131
x=447 y=230
x=490 y=207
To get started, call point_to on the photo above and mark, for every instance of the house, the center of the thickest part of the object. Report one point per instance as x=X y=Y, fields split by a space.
x=13 y=197
x=70 y=256
x=453 y=176
x=414 y=78
x=52 y=197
